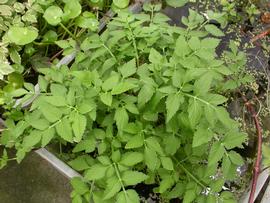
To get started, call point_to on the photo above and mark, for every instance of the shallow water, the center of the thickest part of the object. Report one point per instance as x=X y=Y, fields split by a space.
x=33 y=181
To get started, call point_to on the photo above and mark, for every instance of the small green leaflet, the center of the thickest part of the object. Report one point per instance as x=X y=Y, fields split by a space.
x=78 y=126
x=110 y=82
x=53 y=15
x=79 y=186
x=22 y=35
x=153 y=143
x=172 y=144
x=166 y=183
x=224 y=117
x=227 y=197
x=210 y=115
x=216 y=99
x=216 y=153
x=56 y=100
x=129 y=196
x=106 y=98
x=104 y=160
x=132 y=108
x=32 y=139
x=72 y=9
x=182 y=47
x=226 y=166
x=132 y=128
x=96 y=172
x=167 y=163
x=113 y=186
x=155 y=57
x=210 y=43
x=80 y=163
x=122 y=87
x=121 y=3
x=58 y=90
x=201 y=136
x=87 y=22
x=177 y=191
x=40 y=124
x=43 y=83
x=19 y=129
x=50 y=112
x=266 y=155
x=190 y=196
x=234 y=139
x=128 y=69
x=194 y=112
x=194 y=43
x=212 y=29
x=116 y=156
x=6 y=69
x=176 y=3
x=76 y=198
x=135 y=142
x=15 y=56
x=47 y=136
x=131 y=158
x=145 y=94
x=236 y=158
x=133 y=177
x=203 y=84
x=88 y=145
x=86 y=106
x=71 y=96
x=177 y=78
x=151 y=159
x=121 y=118
x=64 y=130
x=216 y=185
x=172 y=105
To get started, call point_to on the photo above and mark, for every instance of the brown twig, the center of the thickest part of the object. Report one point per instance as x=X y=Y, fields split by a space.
x=56 y=55
x=261 y=35
x=256 y=169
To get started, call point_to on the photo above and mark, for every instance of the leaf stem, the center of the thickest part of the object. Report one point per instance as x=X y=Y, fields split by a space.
x=108 y=49
x=120 y=180
x=67 y=30
x=190 y=174
x=42 y=43
x=134 y=44
x=199 y=99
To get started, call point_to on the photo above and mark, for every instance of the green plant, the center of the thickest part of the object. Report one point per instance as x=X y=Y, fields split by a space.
x=33 y=31
x=143 y=102
x=240 y=11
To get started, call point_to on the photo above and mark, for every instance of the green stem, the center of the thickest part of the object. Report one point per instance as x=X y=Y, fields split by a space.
x=54 y=124
x=134 y=44
x=203 y=24
x=190 y=174
x=108 y=49
x=120 y=180
x=92 y=187
x=67 y=30
x=80 y=32
x=42 y=43
x=199 y=99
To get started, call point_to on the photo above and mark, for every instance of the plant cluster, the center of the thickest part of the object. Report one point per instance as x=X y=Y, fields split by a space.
x=244 y=11
x=33 y=31
x=142 y=103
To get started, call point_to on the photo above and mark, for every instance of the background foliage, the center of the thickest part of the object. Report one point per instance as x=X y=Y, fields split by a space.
x=144 y=102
